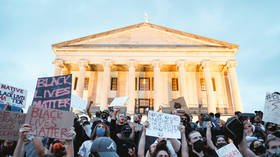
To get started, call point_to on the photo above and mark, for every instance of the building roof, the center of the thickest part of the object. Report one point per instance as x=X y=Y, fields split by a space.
x=143 y=35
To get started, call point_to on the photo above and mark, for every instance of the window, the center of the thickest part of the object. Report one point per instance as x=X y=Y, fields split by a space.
x=142 y=104
x=114 y=83
x=86 y=83
x=144 y=84
x=174 y=84
x=152 y=84
x=202 y=84
x=214 y=84
x=75 y=83
x=135 y=83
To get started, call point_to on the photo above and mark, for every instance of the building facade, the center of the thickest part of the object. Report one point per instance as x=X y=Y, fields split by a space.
x=152 y=65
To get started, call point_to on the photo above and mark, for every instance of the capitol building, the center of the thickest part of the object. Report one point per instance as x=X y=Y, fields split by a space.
x=152 y=65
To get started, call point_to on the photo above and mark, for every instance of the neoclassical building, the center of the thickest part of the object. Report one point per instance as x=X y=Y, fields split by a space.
x=152 y=65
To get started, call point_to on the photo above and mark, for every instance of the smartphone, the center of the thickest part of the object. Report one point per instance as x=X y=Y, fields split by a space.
x=234 y=129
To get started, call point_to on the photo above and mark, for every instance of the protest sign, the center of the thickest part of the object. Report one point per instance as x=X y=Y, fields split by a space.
x=50 y=122
x=119 y=101
x=228 y=151
x=166 y=110
x=53 y=92
x=78 y=103
x=12 y=95
x=10 y=123
x=272 y=108
x=179 y=102
x=163 y=125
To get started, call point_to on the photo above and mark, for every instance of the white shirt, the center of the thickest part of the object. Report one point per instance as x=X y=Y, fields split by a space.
x=84 y=150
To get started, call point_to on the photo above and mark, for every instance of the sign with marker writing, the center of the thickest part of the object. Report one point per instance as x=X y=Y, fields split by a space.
x=10 y=123
x=272 y=108
x=12 y=95
x=228 y=151
x=163 y=125
x=50 y=122
x=53 y=92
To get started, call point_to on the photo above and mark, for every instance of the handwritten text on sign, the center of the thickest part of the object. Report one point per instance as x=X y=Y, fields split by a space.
x=163 y=125
x=10 y=123
x=228 y=151
x=14 y=96
x=272 y=108
x=50 y=122
x=53 y=92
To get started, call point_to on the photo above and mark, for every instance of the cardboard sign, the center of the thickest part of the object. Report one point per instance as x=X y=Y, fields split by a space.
x=78 y=103
x=53 y=92
x=179 y=101
x=12 y=95
x=272 y=108
x=119 y=101
x=228 y=151
x=50 y=122
x=163 y=125
x=166 y=110
x=10 y=123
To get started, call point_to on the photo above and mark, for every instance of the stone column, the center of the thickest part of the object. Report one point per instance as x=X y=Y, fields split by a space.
x=234 y=85
x=209 y=88
x=81 y=77
x=131 y=87
x=106 y=84
x=59 y=64
x=157 y=97
x=182 y=79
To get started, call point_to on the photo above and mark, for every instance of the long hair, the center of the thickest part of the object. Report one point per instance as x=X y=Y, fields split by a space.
x=107 y=131
x=161 y=146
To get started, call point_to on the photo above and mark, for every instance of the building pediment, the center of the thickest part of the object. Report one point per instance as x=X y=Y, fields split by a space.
x=143 y=35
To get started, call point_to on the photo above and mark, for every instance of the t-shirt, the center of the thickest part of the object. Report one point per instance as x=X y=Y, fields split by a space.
x=85 y=148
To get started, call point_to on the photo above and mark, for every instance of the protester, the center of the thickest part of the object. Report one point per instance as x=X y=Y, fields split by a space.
x=109 y=134
x=273 y=147
x=100 y=130
x=103 y=147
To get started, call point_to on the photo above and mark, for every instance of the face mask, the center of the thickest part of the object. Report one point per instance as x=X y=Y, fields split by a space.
x=87 y=129
x=198 y=146
x=260 y=150
x=100 y=132
x=220 y=145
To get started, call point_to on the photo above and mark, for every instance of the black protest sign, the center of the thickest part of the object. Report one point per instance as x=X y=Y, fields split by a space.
x=53 y=92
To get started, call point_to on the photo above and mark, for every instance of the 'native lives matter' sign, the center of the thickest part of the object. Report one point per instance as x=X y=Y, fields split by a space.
x=53 y=92
x=163 y=125
x=10 y=123
x=50 y=122
x=12 y=95
x=272 y=108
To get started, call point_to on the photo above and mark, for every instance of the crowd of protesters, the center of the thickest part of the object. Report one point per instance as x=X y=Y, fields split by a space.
x=111 y=134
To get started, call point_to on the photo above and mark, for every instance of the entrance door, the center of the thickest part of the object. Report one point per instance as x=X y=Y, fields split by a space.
x=142 y=104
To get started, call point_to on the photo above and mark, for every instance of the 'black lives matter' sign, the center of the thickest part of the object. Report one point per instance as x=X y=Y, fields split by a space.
x=53 y=92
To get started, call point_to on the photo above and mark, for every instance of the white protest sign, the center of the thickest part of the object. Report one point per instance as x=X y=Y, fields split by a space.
x=228 y=151
x=78 y=103
x=119 y=101
x=272 y=108
x=163 y=125
x=12 y=95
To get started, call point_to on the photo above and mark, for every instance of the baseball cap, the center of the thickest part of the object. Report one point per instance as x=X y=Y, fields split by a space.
x=105 y=147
